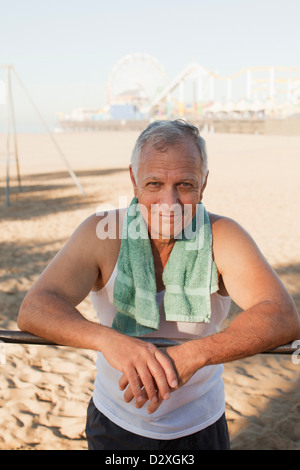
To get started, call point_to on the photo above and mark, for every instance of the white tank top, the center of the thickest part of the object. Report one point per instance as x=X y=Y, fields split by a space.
x=193 y=407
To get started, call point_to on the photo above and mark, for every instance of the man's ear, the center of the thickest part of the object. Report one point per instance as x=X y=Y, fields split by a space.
x=134 y=185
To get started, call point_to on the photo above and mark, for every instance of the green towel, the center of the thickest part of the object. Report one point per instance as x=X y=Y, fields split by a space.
x=190 y=276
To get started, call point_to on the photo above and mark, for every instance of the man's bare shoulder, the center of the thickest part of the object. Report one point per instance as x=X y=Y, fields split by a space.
x=232 y=244
x=224 y=228
x=104 y=227
x=230 y=238
x=100 y=234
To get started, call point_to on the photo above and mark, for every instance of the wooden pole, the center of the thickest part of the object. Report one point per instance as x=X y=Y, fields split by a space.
x=10 y=109
x=7 y=193
x=71 y=172
x=14 y=131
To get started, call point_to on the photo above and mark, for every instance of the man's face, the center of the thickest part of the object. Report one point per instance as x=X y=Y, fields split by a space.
x=169 y=187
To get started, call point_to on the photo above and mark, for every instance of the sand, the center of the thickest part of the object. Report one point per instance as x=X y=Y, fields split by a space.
x=45 y=390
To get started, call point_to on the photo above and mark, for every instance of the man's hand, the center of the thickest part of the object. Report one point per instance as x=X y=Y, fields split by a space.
x=178 y=356
x=147 y=370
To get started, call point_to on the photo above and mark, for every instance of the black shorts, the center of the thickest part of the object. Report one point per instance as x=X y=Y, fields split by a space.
x=103 y=434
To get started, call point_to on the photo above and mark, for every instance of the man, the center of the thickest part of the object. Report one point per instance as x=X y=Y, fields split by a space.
x=173 y=398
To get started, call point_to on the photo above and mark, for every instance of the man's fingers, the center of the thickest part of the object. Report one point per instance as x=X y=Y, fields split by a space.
x=160 y=378
x=128 y=395
x=123 y=382
x=154 y=406
x=148 y=379
x=137 y=380
x=134 y=383
x=168 y=368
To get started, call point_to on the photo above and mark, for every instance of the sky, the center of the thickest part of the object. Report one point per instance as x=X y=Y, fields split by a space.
x=64 y=50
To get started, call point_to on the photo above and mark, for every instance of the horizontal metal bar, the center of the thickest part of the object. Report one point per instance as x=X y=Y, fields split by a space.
x=22 y=337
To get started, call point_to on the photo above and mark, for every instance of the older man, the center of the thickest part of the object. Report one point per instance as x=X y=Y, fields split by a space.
x=160 y=287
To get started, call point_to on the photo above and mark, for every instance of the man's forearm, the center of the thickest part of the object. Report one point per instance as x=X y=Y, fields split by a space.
x=262 y=327
x=51 y=317
x=48 y=315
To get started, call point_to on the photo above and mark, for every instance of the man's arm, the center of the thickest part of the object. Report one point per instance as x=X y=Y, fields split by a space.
x=269 y=317
x=49 y=310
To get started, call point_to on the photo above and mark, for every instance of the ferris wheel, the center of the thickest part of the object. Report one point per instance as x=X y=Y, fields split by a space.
x=136 y=78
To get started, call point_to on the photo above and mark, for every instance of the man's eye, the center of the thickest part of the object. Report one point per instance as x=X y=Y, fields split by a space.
x=153 y=183
x=185 y=185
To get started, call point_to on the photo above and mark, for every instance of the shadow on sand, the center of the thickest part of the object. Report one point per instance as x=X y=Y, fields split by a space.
x=46 y=193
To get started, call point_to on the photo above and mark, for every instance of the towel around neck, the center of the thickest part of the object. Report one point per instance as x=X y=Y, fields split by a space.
x=190 y=275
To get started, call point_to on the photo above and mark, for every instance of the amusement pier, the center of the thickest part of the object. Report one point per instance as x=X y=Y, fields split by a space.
x=254 y=100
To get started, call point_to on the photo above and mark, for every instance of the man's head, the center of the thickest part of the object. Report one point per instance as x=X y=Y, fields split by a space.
x=162 y=134
x=169 y=171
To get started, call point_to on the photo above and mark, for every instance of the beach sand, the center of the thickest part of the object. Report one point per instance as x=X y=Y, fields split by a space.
x=45 y=390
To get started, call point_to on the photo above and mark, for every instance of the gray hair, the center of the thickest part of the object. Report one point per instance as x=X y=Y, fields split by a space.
x=161 y=134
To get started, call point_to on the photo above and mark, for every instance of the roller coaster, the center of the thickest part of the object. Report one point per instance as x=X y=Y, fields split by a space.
x=138 y=89
x=202 y=75
x=197 y=89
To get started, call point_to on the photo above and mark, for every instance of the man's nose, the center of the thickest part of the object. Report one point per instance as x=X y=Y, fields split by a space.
x=169 y=197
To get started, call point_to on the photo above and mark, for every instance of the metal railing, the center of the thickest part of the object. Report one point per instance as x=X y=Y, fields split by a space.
x=22 y=337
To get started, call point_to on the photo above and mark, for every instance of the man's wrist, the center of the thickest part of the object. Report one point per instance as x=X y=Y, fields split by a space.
x=197 y=353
